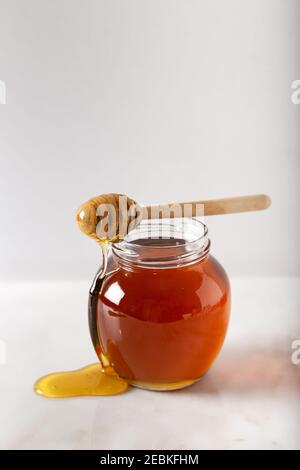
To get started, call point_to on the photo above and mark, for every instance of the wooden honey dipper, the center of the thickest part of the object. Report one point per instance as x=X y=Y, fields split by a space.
x=127 y=213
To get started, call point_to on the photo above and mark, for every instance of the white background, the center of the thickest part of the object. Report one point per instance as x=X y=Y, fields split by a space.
x=162 y=100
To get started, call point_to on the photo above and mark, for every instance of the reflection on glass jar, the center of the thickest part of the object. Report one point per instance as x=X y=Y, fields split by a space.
x=161 y=313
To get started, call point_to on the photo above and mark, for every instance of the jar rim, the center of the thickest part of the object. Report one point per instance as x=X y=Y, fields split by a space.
x=190 y=243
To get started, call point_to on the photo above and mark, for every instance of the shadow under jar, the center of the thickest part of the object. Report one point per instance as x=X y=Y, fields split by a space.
x=159 y=317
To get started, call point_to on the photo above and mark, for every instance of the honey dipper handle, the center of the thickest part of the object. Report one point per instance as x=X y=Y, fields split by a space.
x=230 y=205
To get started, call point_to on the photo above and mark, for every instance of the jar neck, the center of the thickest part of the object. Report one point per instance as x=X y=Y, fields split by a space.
x=163 y=244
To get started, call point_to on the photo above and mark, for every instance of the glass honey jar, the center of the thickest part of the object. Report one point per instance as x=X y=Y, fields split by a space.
x=160 y=314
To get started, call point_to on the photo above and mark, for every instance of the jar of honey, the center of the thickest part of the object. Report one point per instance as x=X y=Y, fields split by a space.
x=160 y=314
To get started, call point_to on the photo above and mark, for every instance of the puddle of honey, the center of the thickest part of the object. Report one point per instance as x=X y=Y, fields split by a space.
x=93 y=380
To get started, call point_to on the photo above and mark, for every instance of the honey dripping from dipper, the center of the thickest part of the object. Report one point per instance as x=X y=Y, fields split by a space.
x=100 y=378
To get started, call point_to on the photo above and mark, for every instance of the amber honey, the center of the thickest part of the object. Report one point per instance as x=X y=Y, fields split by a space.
x=162 y=321
x=157 y=318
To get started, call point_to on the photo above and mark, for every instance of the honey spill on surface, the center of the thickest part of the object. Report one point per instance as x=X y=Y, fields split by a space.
x=93 y=380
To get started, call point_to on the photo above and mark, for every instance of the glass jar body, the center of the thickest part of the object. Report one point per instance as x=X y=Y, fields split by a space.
x=161 y=329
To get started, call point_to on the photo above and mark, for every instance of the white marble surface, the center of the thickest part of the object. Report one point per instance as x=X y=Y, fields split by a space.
x=249 y=399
